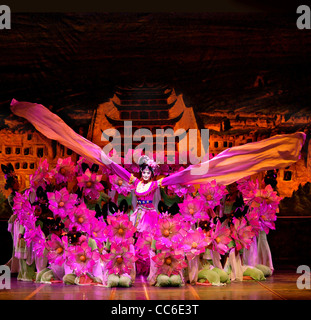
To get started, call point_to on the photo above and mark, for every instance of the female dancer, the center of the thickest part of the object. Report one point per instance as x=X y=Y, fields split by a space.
x=145 y=215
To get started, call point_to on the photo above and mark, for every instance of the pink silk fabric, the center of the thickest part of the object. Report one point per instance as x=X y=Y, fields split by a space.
x=242 y=161
x=53 y=127
x=230 y=165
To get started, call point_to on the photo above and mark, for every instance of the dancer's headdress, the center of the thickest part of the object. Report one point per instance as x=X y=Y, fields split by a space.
x=149 y=162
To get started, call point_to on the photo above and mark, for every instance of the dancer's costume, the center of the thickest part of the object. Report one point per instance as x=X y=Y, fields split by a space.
x=14 y=262
x=145 y=215
x=23 y=259
x=227 y=167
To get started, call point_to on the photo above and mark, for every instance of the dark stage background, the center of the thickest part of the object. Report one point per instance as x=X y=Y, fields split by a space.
x=73 y=61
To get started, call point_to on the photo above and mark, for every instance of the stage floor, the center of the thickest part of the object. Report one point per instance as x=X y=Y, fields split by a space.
x=281 y=286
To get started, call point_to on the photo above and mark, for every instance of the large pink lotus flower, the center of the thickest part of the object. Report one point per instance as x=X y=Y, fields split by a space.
x=241 y=233
x=213 y=193
x=120 y=185
x=90 y=182
x=64 y=170
x=252 y=217
x=192 y=209
x=19 y=200
x=61 y=203
x=143 y=245
x=219 y=237
x=194 y=243
x=80 y=217
x=170 y=262
x=169 y=231
x=81 y=258
x=246 y=186
x=120 y=260
x=36 y=237
x=181 y=190
x=267 y=216
x=29 y=220
x=41 y=177
x=24 y=210
x=120 y=228
x=96 y=228
x=32 y=233
x=266 y=195
x=57 y=249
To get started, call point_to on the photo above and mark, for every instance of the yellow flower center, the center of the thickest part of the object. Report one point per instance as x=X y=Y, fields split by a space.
x=59 y=250
x=166 y=233
x=82 y=258
x=209 y=197
x=121 y=232
x=119 y=260
x=217 y=239
x=120 y=182
x=80 y=220
x=89 y=184
x=61 y=204
x=191 y=211
x=194 y=245
x=168 y=261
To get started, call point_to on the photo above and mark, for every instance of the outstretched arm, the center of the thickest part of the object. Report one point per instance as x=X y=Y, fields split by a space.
x=53 y=127
x=238 y=162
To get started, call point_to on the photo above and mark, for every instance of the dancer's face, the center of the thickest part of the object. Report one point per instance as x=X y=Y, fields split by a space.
x=146 y=174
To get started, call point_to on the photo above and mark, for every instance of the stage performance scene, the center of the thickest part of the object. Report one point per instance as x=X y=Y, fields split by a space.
x=127 y=177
